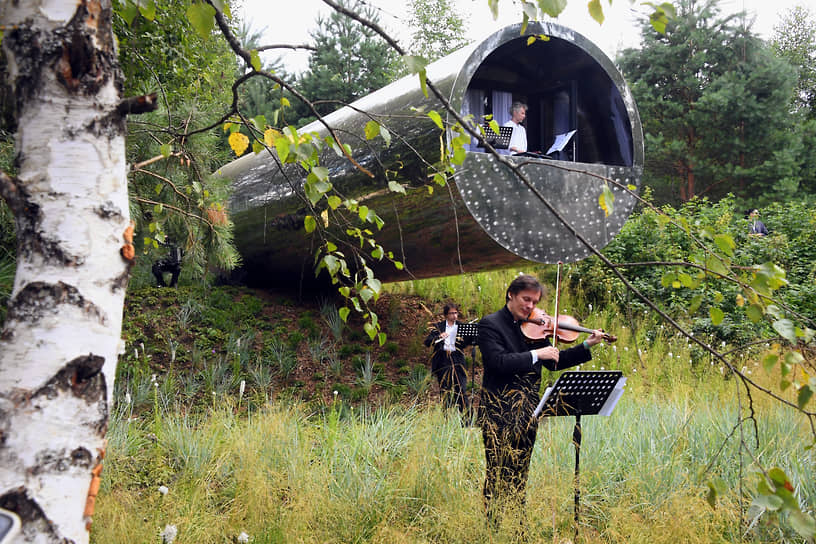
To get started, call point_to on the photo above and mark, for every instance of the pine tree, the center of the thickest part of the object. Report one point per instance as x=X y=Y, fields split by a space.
x=714 y=105
x=350 y=61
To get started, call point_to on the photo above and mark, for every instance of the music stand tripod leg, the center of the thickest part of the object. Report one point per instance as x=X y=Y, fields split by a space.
x=576 y=439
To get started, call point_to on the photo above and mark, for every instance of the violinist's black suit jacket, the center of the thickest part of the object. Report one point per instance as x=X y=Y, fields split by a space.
x=509 y=398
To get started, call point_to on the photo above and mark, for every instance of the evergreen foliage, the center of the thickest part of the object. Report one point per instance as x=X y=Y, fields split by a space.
x=174 y=200
x=350 y=62
x=714 y=104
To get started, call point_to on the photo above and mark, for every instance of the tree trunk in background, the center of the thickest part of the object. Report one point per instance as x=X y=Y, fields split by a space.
x=61 y=339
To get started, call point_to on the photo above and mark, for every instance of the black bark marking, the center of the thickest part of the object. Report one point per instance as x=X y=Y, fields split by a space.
x=31 y=515
x=28 y=218
x=108 y=209
x=81 y=376
x=81 y=54
x=39 y=298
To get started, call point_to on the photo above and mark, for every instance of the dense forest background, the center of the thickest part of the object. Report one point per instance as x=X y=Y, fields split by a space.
x=730 y=125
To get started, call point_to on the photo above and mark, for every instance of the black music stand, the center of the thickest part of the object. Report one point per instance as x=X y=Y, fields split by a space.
x=500 y=140
x=581 y=393
x=469 y=333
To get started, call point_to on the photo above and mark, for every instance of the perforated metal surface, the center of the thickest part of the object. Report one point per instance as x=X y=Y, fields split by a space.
x=490 y=218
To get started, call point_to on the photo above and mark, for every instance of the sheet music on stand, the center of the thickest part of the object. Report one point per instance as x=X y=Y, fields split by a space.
x=561 y=141
x=500 y=140
x=582 y=393
x=468 y=332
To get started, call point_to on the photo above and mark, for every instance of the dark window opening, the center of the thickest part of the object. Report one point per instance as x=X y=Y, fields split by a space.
x=565 y=90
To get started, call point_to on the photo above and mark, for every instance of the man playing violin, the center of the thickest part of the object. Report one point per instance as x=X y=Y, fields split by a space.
x=512 y=378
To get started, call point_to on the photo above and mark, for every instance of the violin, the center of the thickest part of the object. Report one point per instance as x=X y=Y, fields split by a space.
x=538 y=325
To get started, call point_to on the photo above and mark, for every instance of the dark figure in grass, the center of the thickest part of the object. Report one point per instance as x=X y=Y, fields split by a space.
x=448 y=360
x=512 y=378
x=171 y=264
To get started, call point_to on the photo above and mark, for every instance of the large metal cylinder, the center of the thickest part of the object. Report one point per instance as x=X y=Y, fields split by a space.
x=486 y=218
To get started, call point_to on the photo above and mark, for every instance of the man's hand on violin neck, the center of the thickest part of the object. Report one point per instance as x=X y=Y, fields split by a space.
x=596 y=337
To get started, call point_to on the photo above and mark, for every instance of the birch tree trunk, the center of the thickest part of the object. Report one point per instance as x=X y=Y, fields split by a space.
x=60 y=342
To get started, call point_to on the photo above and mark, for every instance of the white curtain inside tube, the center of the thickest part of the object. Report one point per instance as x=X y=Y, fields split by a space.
x=501 y=111
x=474 y=104
x=501 y=106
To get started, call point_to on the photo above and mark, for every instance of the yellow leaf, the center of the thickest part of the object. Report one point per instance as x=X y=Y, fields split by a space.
x=239 y=143
x=270 y=135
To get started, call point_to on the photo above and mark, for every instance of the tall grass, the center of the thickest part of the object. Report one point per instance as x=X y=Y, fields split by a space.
x=414 y=474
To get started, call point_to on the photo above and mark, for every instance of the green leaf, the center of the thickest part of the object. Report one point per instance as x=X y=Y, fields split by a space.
x=386 y=136
x=715 y=487
x=769 y=502
x=255 y=60
x=716 y=315
x=725 y=243
x=695 y=303
x=804 y=396
x=754 y=312
x=381 y=337
x=553 y=8
x=715 y=265
x=362 y=212
x=370 y=330
x=309 y=223
x=344 y=313
x=769 y=361
x=372 y=129
x=494 y=8
x=166 y=150
x=596 y=11
x=423 y=82
x=321 y=173
x=435 y=117
x=803 y=524
x=332 y=264
x=282 y=147
x=334 y=202
x=415 y=64
x=259 y=122
x=202 y=16
x=686 y=280
x=459 y=155
x=395 y=187
x=129 y=13
x=531 y=13
x=786 y=329
x=794 y=358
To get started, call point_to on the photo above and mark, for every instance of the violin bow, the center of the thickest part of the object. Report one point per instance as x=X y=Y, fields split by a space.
x=555 y=315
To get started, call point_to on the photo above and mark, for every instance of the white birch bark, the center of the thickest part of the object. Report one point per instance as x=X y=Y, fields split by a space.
x=60 y=342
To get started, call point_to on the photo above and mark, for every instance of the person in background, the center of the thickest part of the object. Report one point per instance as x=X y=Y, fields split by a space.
x=512 y=378
x=448 y=360
x=518 y=141
x=756 y=226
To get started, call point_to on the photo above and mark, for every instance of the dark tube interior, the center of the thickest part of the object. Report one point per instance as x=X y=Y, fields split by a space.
x=565 y=90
